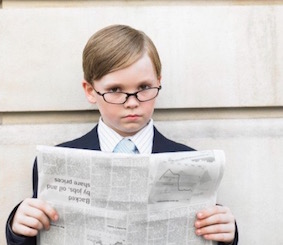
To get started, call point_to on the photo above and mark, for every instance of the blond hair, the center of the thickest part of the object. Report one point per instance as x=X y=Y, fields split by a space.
x=116 y=47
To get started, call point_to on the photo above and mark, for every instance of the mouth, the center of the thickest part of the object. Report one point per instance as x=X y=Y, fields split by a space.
x=132 y=116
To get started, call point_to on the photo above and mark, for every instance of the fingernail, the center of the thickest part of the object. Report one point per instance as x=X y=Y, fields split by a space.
x=198 y=232
x=55 y=217
x=200 y=215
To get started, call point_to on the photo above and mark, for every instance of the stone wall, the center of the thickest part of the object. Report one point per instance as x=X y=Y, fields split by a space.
x=222 y=89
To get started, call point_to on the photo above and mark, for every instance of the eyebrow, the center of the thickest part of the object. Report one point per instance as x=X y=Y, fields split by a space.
x=121 y=85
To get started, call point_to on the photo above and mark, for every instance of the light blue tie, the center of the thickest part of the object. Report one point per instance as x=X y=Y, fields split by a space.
x=126 y=146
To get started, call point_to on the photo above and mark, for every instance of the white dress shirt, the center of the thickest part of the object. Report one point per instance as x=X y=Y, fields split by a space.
x=108 y=138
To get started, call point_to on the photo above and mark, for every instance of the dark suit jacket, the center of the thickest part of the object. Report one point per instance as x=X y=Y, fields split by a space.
x=90 y=141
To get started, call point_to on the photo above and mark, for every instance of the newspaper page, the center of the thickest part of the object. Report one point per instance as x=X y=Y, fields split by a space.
x=119 y=199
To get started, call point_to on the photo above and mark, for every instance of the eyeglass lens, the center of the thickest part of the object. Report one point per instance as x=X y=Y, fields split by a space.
x=121 y=98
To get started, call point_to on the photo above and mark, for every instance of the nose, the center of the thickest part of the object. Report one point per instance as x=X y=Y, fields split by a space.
x=132 y=101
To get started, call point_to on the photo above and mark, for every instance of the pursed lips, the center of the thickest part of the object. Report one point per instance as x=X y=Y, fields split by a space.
x=132 y=116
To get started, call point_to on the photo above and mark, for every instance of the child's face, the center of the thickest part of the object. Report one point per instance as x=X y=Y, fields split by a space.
x=130 y=117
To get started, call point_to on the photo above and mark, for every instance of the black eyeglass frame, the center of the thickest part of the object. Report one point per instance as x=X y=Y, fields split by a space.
x=128 y=95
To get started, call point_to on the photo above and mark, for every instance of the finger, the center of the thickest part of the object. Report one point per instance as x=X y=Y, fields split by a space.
x=24 y=230
x=222 y=237
x=211 y=211
x=44 y=207
x=221 y=232
x=27 y=226
x=221 y=218
x=216 y=229
x=36 y=218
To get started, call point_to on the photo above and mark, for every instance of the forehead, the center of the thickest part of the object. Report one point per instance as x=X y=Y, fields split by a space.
x=140 y=71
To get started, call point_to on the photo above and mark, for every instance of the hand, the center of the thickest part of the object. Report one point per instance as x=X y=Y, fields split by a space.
x=216 y=224
x=31 y=216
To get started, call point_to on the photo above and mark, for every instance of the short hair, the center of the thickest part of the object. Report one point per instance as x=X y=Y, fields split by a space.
x=116 y=47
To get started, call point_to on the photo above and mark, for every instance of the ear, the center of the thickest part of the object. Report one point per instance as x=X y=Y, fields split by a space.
x=89 y=92
x=159 y=80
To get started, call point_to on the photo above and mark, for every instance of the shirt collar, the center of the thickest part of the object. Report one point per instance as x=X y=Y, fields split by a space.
x=108 y=138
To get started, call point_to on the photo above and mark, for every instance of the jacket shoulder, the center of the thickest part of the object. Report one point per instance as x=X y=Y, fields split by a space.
x=88 y=141
x=163 y=144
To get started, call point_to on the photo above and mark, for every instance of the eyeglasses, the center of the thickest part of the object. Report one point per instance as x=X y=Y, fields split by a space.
x=121 y=97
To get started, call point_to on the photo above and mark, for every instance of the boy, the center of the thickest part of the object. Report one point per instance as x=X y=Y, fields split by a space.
x=122 y=76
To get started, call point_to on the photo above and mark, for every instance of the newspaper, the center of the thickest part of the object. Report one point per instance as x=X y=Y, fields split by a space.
x=119 y=199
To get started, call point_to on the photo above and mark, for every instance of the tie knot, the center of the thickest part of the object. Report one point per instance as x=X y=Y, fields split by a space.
x=126 y=146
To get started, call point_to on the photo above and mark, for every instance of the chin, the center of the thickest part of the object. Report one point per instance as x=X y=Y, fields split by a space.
x=129 y=131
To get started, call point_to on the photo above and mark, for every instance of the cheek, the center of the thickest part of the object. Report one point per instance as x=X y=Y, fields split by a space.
x=108 y=112
x=149 y=108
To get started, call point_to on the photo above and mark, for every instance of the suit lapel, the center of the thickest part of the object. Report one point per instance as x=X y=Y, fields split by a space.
x=91 y=140
x=159 y=142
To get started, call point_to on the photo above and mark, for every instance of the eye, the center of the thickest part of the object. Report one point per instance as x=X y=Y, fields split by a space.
x=114 y=90
x=144 y=87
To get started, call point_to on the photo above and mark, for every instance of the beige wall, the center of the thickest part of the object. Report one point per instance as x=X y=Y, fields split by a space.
x=222 y=82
